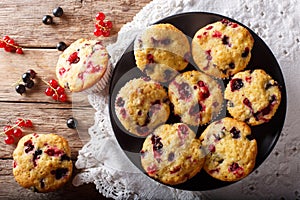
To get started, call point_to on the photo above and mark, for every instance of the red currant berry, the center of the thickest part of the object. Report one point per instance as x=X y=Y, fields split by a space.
x=8 y=130
x=108 y=24
x=6 y=38
x=97 y=32
x=11 y=41
x=49 y=92
x=9 y=140
x=62 y=98
x=18 y=132
x=20 y=122
x=8 y=48
x=100 y=16
x=106 y=33
x=28 y=123
x=55 y=97
x=101 y=24
x=53 y=83
x=2 y=44
x=60 y=90
x=19 y=51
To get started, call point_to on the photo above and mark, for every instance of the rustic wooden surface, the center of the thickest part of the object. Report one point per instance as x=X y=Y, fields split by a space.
x=22 y=21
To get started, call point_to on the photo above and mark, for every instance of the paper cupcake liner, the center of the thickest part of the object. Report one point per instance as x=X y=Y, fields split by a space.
x=101 y=84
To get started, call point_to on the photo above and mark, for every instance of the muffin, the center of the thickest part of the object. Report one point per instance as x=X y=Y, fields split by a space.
x=252 y=96
x=84 y=66
x=42 y=162
x=171 y=154
x=222 y=49
x=161 y=51
x=230 y=149
x=141 y=105
x=197 y=98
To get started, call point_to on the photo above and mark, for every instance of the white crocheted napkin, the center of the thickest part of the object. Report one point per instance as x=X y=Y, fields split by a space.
x=104 y=163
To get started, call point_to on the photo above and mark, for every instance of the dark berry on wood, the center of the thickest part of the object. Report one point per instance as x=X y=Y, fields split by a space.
x=58 y=12
x=47 y=19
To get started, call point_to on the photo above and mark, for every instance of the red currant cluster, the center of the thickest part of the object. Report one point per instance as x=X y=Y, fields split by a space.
x=55 y=91
x=102 y=26
x=9 y=45
x=14 y=133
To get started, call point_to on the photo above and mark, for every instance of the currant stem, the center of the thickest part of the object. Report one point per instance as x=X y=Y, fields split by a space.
x=103 y=28
x=12 y=45
x=14 y=126
x=51 y=88
x=18 y=82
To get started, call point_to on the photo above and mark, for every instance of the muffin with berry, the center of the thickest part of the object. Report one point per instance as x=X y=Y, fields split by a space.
x=252 y=96
x=141 y=105
x=161 y=51
x=222 y=49
x=84 y=66
x=171 y=154
x=230 y=149
x=197 y=98
x=42 y=162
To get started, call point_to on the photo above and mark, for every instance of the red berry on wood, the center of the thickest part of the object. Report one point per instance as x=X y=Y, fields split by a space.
x=20 y=122
x=100 y=16
x=97 y=32
x=8 y=130
x=49 y=91
x=9 y=140
x=55 y=97
x=109 y=24
x=19 y=51
x=53 y=83
x=60 y=90
x=18 y=132
x=62 y=98
x=28 y=123
x=6 y=38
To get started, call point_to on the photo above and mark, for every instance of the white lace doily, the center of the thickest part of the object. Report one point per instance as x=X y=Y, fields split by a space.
x=277 y=23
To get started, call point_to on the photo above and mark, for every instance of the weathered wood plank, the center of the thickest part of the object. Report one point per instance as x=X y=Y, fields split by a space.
x=22 y=20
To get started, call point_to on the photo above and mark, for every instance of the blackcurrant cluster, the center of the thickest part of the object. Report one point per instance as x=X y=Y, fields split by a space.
x=57 y=12
x=27 y=81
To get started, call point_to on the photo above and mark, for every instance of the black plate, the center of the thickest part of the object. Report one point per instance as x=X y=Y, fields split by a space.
x=266 y=134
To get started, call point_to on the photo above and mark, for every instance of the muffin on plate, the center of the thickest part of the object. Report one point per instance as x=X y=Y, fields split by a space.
x=84 y=66
x=252 y=96
x=141 y=105
x=222 y=49
x=171 y=154
x=42 y=162
x=161 y=51
x=230 y=149
x=197 y=98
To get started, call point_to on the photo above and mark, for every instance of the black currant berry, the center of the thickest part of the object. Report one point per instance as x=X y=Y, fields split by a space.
x=72 y=123
x=29 y=84
x=58 y=12
x=32 y=73
x=47 y=19
x=20 y=89
x=26 y=77
x=61 y=46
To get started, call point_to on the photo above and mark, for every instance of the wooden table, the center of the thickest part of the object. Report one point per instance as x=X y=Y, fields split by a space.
x=22 y=21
